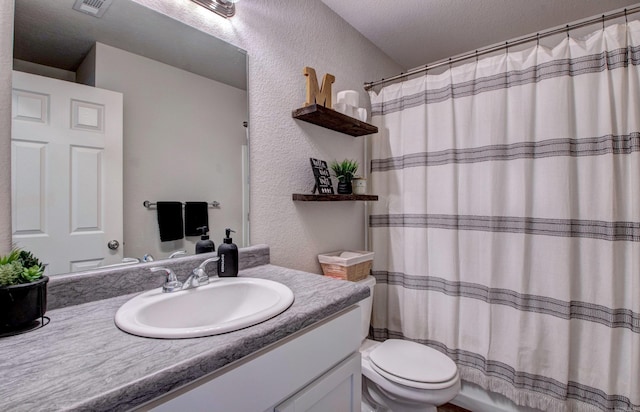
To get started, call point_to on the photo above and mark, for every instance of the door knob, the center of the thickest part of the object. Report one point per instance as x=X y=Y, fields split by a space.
x=113 y=244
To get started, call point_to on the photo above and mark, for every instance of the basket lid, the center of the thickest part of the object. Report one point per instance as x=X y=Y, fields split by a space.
x=346 y=257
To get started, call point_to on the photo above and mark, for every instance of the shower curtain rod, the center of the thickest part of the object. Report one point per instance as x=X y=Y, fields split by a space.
x=505 y=45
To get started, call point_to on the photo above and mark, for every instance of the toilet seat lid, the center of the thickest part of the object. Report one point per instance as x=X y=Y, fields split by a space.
x=412 y=361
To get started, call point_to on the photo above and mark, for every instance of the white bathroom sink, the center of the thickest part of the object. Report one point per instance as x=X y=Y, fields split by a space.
x=224 y=305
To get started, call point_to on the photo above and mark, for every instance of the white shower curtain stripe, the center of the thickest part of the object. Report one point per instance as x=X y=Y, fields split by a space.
x=589 y=146
x=475 y=194
x=606 y=60
x=465 y=257
x=610 y=317
x=508 y=230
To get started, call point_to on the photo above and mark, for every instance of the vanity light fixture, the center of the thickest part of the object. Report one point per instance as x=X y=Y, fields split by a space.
x=225 y=8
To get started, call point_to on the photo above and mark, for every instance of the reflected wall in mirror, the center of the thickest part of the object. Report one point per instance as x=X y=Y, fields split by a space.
x=182 y=131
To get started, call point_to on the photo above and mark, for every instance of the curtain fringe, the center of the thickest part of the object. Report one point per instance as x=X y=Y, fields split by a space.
x=522 y=397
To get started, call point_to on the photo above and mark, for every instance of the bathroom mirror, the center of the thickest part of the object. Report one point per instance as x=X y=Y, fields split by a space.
x=184 y=130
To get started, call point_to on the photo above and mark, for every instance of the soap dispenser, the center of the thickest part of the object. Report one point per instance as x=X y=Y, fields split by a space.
x=204 y=245
x=228 y=253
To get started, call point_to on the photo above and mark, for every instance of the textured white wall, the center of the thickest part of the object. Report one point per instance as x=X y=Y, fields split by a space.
x=6 y=61
x=281 y=37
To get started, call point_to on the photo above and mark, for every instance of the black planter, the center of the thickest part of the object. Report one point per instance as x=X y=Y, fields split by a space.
x=344 y=188
x=20 y=305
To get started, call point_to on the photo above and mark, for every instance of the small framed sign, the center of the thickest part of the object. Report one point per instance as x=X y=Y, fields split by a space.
x=322 y=176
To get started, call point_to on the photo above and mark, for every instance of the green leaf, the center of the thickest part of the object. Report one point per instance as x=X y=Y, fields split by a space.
x=10 y=273
x=31 y=274
x=11 y=257
x=19 y=266
x=28 y=259
x=344 y=170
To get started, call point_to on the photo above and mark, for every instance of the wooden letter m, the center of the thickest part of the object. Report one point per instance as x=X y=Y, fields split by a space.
x=322 y=95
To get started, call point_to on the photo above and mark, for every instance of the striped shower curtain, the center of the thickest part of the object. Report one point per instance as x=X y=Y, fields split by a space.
x=508 y=231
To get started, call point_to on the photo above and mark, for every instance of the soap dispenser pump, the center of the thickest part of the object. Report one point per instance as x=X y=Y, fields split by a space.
x=228 y=253
x=204 y=245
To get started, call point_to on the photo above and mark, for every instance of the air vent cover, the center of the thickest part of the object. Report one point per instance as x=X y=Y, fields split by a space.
x=95 y=8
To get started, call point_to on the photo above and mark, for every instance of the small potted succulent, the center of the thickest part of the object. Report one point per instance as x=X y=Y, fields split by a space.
x=344 y=171
x=23 y=290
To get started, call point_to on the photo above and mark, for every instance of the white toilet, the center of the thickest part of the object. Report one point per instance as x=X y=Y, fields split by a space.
x=400 y=375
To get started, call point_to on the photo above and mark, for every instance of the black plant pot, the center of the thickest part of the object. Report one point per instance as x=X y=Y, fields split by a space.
x=20 y=305
x=344 y=188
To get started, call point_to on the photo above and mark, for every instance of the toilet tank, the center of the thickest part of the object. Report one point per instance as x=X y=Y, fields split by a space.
x=365 y=305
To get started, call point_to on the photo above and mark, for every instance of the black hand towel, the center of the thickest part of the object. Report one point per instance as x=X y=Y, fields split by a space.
x=196 y=214
x=170 y=221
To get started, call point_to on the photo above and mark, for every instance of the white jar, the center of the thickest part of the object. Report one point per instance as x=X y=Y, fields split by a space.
x=359 y=185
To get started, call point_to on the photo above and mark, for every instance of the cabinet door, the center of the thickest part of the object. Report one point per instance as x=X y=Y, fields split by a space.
x=338 y=390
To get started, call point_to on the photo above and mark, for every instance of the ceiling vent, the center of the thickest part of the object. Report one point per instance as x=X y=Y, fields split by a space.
x=95 y=8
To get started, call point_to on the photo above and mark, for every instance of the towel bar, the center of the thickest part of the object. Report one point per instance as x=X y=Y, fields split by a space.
x=148 y=204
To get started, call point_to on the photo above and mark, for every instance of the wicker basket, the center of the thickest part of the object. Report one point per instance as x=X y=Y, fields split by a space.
x=346 y=265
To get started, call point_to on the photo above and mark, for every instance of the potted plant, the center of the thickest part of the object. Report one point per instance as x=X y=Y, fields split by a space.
x=23 y=290
x=344 y=171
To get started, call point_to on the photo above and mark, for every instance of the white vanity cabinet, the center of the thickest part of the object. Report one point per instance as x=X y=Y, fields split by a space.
x=316 y=369
x=337 y=390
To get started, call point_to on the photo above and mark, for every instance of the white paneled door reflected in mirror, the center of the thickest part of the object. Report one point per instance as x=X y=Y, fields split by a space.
x=113 y=110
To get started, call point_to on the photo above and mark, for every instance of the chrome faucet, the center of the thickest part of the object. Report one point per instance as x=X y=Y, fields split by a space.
x=198 y=277
x=171 y=283
x=177 y=253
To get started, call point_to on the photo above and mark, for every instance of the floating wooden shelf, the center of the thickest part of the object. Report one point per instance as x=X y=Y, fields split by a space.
x=331 y=198
x=330 y=119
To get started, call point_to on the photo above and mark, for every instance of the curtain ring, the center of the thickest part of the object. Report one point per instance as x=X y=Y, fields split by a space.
x=450 y=66
x=537 y=39
x=476 y=56
x=625 y=17
x=506 y=46
x=567 y=31
x=603 y=22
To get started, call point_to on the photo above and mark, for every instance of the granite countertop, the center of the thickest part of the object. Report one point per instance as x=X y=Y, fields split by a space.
x=82 y=361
